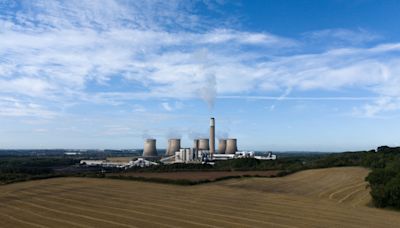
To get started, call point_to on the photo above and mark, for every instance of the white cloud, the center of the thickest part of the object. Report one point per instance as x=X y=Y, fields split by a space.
x=378 y=106
x=139 y=108
x=59 y=51
x=311 y=98
x=41 y=130
x=166 y=106
x=250 y=38
x=11 y=107
x=340 y=36
x=25 y=85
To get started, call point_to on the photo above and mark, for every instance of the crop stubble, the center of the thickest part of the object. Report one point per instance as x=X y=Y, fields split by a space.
x=334 y=197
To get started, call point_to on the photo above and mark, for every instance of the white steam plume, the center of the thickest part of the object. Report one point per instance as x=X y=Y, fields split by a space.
x=208 y=92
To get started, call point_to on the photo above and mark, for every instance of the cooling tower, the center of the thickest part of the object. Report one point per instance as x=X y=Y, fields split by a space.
x=149 y=148
x=231 y=146
x=204 y=144
x=222 y=146
x=196 y=144
x=173 y=146
x=212 y=136
x=196 y=147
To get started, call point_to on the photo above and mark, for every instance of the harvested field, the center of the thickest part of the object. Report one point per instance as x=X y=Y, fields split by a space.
x=201 y=175
x=341 y=185
x=316 y=198
x=120 y=159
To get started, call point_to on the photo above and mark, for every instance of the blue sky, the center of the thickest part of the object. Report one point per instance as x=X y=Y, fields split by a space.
x=277 y=75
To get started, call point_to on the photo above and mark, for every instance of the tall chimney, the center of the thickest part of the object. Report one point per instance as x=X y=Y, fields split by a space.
x=212 y=136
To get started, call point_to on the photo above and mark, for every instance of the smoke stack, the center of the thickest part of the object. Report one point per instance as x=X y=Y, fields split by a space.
x=222 y=146
x=231 y=146
x=150 y=148
x=212 y=136
x=173 y=146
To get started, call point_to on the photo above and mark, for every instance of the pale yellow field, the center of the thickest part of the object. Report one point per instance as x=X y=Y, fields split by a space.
x=333 y=197
x=120 y=159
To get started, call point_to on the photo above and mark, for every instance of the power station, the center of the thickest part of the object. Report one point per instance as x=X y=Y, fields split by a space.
x=202 y=151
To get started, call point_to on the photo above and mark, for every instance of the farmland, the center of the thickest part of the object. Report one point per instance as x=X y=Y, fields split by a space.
x=334 y=197
x=196 y=175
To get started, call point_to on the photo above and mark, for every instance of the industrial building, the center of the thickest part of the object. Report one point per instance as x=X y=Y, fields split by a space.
x=140 y=162
x=243 y=154
x=203 y=150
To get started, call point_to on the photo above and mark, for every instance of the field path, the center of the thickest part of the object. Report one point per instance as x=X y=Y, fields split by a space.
x=334 y=197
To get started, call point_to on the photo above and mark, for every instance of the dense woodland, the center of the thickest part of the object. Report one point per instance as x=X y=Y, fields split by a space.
x=21 y=168
x=384 y=179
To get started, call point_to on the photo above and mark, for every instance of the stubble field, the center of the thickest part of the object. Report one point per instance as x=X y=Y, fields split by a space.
x=334 y=197
x=197 y=176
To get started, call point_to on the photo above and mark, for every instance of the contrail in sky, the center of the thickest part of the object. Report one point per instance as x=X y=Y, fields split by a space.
x=279 y=98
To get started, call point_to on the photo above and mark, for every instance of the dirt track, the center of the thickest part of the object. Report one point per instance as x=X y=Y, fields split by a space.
x=316 y=198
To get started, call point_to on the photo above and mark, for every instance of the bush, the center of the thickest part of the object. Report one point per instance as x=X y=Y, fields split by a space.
x=392 y=192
